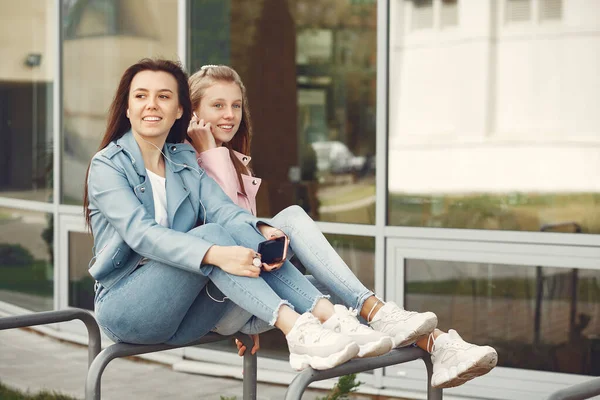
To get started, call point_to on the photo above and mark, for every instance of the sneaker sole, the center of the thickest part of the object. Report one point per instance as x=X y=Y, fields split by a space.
x=374 y=349
x=456 y=376
x=303 y=361
x=426 y=327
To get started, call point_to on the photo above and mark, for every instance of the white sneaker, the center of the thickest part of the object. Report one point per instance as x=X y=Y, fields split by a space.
x=405 y=327
x=370 y=342
x=456 y=361
x=312 y=345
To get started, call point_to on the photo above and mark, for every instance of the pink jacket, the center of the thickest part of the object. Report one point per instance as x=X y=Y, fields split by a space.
x=218 y=165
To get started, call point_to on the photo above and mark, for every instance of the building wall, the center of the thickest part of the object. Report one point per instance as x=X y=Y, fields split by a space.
x=496 y=106
x=27 y=28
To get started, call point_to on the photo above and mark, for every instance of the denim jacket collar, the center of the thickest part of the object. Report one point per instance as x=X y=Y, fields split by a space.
x=130 y=147
x=177 y=190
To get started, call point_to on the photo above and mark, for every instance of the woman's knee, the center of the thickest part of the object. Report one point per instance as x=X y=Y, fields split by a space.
x=213 y=233
x=292 y=215
x=233 y=320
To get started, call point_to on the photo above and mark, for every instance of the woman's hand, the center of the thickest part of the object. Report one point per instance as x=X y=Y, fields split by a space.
x=201 y=135
x=242 y=349
x=235 y=260
x=270 y=232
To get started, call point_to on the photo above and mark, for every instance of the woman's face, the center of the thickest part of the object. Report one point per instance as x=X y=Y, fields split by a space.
x=221 y=105
x=153 y=105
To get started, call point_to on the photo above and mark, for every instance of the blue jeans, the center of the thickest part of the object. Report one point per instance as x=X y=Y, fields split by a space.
x=330 y=274
x=158 y=303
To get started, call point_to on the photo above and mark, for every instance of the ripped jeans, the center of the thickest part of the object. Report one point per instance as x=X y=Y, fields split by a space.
x=330 y=274
x=158 y=303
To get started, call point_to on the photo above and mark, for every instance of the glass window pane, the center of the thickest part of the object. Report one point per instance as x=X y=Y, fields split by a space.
x=102 y=39
x=26 y=86
x=358 y=252
x=27 y=259
x=311 y=95
x=491 y=128
x=81 y=283
x=538 y=318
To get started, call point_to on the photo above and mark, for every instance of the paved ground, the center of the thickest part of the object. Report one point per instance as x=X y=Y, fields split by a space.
x=31 y=361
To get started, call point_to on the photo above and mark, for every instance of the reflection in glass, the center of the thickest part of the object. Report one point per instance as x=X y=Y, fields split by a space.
x=81 y=283
x=491 y=123
x=538 y=318
x=102 y=39
x=358 y=252
x=26 y=88
x=26 y=259
x=310 y=71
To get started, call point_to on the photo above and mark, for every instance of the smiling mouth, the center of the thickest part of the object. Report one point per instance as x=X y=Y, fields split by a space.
x=225 y=126
x=151 y=119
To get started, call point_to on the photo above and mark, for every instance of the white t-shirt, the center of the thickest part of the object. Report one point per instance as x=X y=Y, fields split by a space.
x=159 y=194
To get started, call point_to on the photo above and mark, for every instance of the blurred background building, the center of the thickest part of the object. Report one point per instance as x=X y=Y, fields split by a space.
x=450 y=150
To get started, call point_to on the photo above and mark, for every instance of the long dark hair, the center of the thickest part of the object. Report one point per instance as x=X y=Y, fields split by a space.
x=118 y=124
x=205 y=78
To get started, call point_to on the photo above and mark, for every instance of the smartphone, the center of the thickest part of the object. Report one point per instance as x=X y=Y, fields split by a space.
x=273 y=251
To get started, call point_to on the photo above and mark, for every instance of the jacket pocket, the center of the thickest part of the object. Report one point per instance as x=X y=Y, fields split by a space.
x=118 y=258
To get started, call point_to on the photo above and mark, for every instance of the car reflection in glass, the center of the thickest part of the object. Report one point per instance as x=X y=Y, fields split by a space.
x=335 y=157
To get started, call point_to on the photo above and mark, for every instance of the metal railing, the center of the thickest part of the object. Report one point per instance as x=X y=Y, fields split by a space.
x=117 y=350
x=396 y=356
x=51 y=317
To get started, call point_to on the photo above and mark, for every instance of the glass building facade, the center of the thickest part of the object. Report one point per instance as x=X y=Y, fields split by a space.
x=449 y=150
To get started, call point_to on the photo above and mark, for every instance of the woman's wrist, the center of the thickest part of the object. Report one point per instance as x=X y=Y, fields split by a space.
x=212 y=255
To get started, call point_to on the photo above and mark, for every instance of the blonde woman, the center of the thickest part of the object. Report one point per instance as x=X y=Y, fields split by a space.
x=221 y=132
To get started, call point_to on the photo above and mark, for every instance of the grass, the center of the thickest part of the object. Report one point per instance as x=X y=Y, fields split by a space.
x=7 y=393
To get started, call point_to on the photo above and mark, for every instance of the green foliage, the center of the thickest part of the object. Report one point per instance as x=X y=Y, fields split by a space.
x=338 y=241
x=48 y=236
x=588 y=288
x=346 y=385
x=511 y=211
x=81 y=292
x=26 y=278
x=10 y=394
x=228 y=398
x=210 y=33
x=14 y=254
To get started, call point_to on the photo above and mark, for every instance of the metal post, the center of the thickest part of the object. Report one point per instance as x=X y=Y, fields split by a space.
x=250 y=368
x=432 y=394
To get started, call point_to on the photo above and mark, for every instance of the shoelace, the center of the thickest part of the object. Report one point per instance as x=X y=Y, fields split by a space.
x=349 y=318
x=432 y=339
x=460 y=344
x=399 y=313
x=313 y=328
x=456 y=342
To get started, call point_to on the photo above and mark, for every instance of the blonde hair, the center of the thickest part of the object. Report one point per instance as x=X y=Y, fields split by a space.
x=204 y=78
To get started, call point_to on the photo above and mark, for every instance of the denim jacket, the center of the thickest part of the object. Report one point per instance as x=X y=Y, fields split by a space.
x=122 y=211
